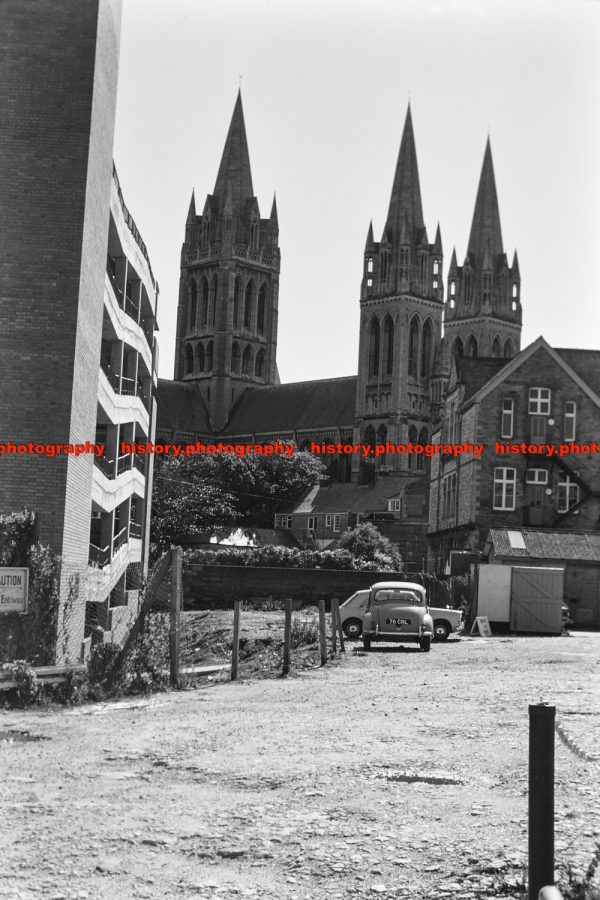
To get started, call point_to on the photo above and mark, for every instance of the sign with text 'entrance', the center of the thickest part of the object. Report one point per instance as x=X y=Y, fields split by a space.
x=14 y=585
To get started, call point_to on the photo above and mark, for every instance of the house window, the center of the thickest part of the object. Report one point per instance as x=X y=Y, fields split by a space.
x=312 y=523
x=337 y=523
x=504 y=488
x=508 y=415
x=449 y=495
x=570 y=417
x=283 y=521
x=539 y=401
x=568 y=493
x=394 y=505
x=328 y=520
x=538 y=429
x=536 y=476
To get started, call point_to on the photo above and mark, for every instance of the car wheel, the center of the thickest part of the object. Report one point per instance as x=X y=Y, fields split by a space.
x=367 y=643
x=441 y=630
x=425 y=644
x=352 y=629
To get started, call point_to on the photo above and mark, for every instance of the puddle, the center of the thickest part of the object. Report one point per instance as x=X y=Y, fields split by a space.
x=20 y=737
x=418 y=778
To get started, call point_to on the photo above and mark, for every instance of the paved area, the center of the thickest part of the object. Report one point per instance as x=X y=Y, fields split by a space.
x=395 y=773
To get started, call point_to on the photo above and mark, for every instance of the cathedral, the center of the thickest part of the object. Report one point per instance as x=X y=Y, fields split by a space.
x=226 y=383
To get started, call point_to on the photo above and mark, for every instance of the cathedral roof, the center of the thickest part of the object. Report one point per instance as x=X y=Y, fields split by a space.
x=486 y=234
x=181 y=408
x=475 y=371
x=234 y=180
x=405 y=202
x=303 y=405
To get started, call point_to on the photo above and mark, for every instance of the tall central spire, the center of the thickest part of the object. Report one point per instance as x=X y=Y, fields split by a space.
x=405 y=202
x=234 y=180
x=485 y=230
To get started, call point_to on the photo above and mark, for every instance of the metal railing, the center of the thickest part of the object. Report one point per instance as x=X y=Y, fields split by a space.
x=132 y=309
x=128 y=386
x=123 y=463
x=140 y=463
x=98 y=556
x=106 y=466
x=135 y=530
x=119 y=540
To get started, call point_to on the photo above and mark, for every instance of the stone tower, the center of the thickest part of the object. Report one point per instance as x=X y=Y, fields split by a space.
x=228 y=295
x=401 y=304
x=483 y=307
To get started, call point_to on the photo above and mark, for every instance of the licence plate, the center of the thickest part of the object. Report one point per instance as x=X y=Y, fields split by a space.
x=398 y=621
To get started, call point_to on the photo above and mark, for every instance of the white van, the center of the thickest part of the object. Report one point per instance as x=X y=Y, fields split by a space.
x=445 y=621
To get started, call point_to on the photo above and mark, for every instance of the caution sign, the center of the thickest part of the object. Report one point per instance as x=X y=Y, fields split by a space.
x=482 y=623
x=14 y=586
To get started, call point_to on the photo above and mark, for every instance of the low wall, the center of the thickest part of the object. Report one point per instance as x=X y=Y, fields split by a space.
x=211 y=585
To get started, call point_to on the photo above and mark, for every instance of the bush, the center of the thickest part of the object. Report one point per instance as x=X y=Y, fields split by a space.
x=29 y=689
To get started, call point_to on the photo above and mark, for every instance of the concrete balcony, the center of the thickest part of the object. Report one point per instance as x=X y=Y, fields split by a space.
x=126 y=329
x=100 y=580
x=122 y=408
x=108 y=493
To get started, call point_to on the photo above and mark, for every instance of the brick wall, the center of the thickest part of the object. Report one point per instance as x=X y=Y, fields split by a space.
x=58 y=71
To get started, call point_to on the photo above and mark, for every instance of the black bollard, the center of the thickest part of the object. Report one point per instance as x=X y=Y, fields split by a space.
x=541 y=797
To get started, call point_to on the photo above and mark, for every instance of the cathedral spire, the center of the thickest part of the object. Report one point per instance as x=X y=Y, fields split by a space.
x=370 y=245
x=191 y=216
x=405 y=201
x=485 y=230
x=234 y=172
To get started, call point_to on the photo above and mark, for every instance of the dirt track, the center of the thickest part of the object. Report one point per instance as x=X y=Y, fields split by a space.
x=279 y=788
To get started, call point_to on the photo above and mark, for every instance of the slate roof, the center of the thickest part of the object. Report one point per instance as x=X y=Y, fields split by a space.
x=332 y=498
x=586 y=363
x=308 y=405
x=556 y=545
x=181 y=408
x=475 y=371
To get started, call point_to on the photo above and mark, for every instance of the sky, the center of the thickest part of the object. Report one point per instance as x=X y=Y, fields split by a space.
x=325 y=87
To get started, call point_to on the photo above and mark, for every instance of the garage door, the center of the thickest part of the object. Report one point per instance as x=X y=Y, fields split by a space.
x=536 y=599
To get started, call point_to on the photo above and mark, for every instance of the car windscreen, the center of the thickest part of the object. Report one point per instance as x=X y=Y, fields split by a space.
x=387 y=595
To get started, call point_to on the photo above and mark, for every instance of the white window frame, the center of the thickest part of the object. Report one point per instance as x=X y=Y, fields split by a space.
x=536 y=476
x=337 y=522
x=539 y=401
x=395 y=505
x=506 y=478
x=312 y=523
x=507 y=428
x=570 y=420
x=328 y=520
x=568 y=493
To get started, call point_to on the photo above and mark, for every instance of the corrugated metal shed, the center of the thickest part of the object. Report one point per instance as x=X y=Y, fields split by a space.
x=540 y=544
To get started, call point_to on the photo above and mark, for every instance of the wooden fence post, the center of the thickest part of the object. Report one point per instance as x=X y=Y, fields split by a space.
x=333 y=628
x=322 y=632
x=175 y=614
x=335 y=609
x=236 y=639
x=541 y=797
x=287 y=636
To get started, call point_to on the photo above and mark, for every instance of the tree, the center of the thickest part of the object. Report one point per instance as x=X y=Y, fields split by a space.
x=197 y=493
x=371 y=548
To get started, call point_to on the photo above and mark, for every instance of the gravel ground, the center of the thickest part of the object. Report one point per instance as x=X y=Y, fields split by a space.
x=394 y=774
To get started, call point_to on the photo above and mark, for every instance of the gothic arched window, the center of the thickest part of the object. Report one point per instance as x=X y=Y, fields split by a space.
x=471 y=348
x=204 y=304
x=426 y=346
x=199 y=358
x=496 y=348
x=458 y=348
x=193 y=304
x=247 y=361
x=235 y=358
x=508 y=349
x=374 y=334
x=209 y=356
x=213 y=301
x=369 y=436
x=260 y=312
x=413 y=438
x=259 y=364
x=237 y=292
x=413 y=347
x=248 y=304
x=388 y=346
x=189 y=360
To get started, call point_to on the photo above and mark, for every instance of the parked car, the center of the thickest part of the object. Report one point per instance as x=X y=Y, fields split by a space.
x=397 y=611
x=445 y=621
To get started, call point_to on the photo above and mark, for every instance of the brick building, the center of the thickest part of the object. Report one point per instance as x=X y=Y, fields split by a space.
x=59 y=310
x=543 y=396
